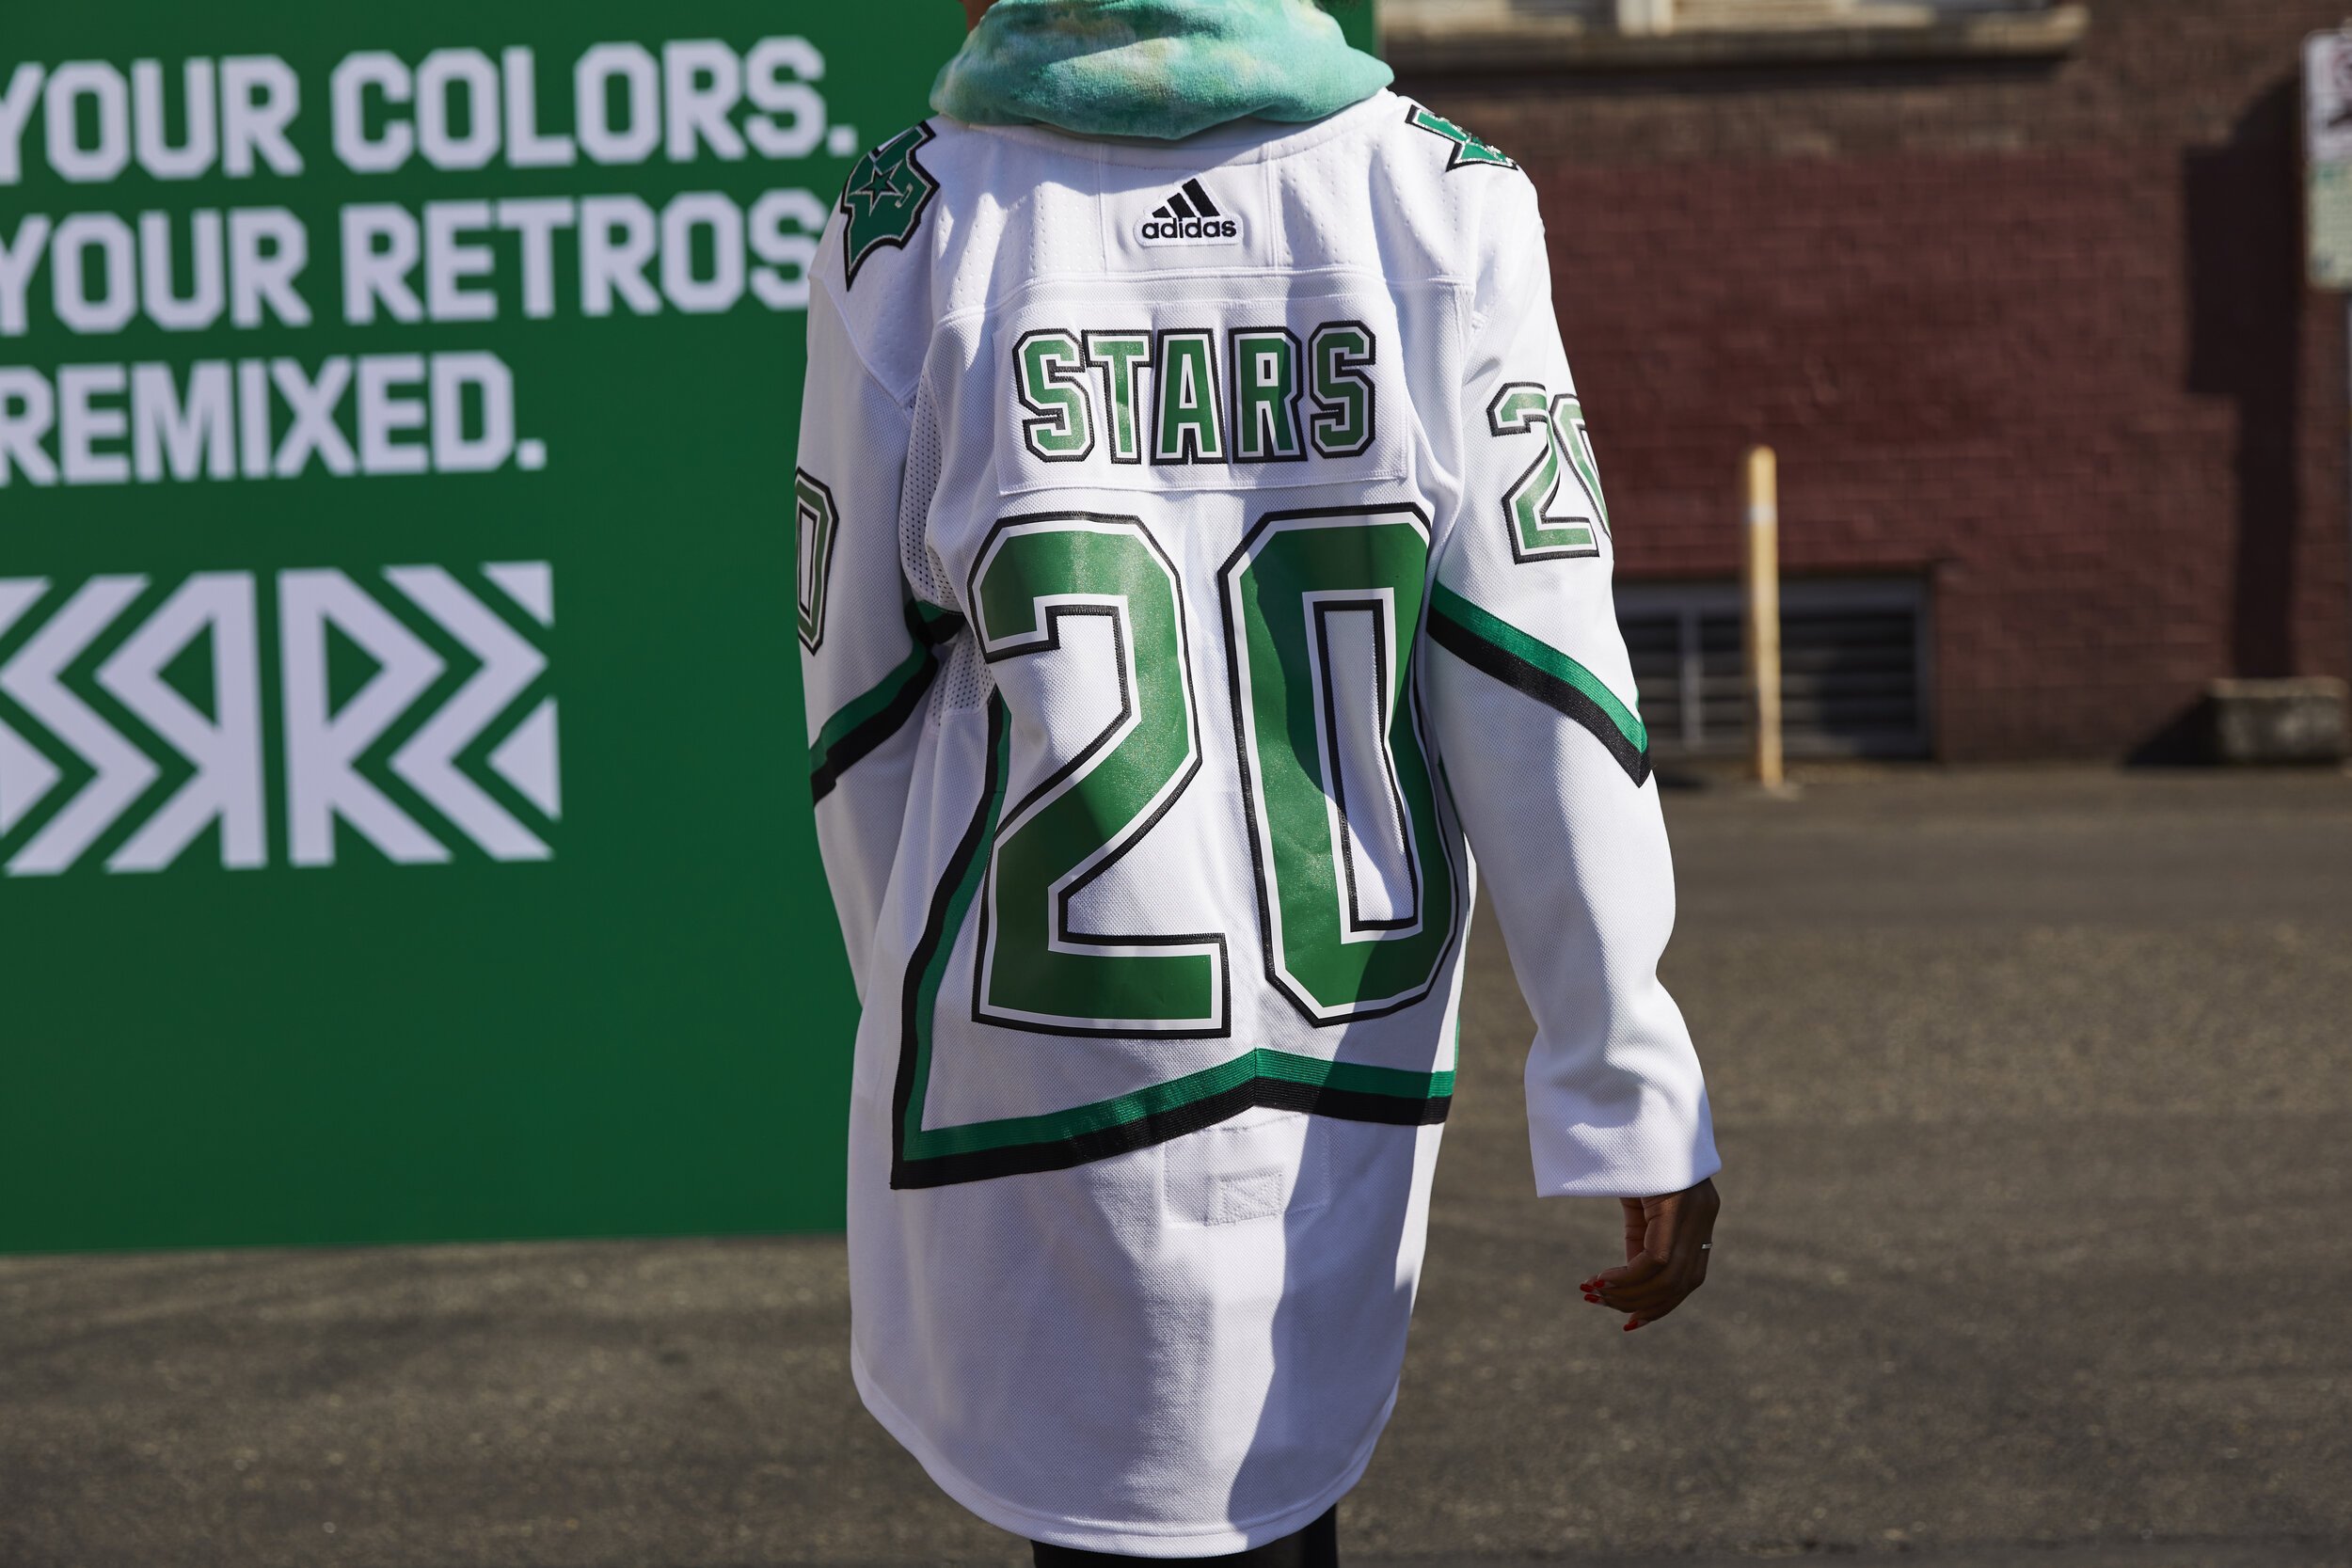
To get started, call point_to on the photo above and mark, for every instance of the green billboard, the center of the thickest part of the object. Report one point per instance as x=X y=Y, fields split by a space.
x=402 y=806
x=403 y=812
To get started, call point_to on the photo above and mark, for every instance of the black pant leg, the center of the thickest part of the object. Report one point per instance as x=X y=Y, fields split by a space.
x=1316 y=1546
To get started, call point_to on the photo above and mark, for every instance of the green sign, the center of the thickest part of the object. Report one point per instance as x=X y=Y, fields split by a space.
x=402 y=810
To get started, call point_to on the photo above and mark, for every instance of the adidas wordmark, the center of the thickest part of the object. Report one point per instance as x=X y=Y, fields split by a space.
x=1189 y=217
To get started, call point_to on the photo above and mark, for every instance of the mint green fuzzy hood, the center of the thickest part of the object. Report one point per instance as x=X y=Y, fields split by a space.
x=1152 y=68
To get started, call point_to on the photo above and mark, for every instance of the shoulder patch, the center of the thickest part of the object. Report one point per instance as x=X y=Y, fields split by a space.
x=1467 y=149
x=885 y=199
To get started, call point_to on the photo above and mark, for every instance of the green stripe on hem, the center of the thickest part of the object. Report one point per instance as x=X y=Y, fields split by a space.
x=1105 y=1115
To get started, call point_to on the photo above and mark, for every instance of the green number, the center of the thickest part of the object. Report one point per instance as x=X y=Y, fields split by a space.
x=1553 y=507
x=1355 y=883
x=1567 y=420
x=1037 y=972
x=819 y=520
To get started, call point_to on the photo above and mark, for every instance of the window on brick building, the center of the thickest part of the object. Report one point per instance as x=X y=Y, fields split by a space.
x=1522 y=35
x=1853 y=666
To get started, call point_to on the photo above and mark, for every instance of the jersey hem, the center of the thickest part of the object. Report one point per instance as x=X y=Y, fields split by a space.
x=1096 y=1535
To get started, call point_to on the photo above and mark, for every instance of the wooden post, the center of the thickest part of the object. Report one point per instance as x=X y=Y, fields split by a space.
x=1763 y=617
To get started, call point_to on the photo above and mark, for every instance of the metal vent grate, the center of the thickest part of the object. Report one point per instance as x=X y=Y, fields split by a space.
x=1853 y=666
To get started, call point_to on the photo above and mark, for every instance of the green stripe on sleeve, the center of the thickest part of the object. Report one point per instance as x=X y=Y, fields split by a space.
x=1543 y=672
x=876 y=714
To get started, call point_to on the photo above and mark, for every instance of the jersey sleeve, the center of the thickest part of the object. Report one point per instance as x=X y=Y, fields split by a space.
x=866 y=647
x=1533 y=703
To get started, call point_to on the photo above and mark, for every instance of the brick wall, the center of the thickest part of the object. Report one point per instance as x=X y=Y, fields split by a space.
x=2036 y=332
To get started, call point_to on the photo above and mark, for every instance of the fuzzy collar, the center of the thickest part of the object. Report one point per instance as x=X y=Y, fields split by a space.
x=1163 y=69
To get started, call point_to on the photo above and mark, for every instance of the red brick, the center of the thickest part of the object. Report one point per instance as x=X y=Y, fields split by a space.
x=2036 y=335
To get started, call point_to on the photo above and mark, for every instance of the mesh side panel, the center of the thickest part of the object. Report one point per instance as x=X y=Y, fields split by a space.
x=924 y=572
x=967 y=682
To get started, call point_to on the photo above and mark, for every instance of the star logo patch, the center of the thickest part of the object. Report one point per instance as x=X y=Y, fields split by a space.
x=1468 y=149
x=885 y=199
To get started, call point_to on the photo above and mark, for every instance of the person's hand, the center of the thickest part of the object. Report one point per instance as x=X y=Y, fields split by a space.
x=1666 y=1243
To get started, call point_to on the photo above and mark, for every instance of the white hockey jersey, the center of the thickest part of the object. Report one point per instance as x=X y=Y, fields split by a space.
x=1201 y=555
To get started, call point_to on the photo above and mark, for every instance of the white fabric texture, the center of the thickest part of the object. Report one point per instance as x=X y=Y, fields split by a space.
x=1142 y=1140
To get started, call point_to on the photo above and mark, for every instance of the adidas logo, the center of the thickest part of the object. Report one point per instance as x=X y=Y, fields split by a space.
x=1189 y=218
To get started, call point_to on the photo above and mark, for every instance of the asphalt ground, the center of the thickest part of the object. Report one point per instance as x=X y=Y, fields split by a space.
x=2031 y=1089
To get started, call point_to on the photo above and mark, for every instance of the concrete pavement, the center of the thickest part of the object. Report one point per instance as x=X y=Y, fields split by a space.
x=2032 y=1087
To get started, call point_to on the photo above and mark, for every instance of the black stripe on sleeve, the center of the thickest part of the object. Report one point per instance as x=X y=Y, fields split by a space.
x=929 y=631
x=859 y=743
x=1545 y=686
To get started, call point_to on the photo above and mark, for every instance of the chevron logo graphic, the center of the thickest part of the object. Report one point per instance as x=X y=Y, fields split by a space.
x=131 y=718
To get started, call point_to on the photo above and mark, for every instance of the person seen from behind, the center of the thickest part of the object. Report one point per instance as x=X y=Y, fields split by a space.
x=1204 y=591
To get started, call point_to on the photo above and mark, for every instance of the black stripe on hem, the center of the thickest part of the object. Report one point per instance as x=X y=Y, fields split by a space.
x=1277 y=1094
x=1542 y=685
